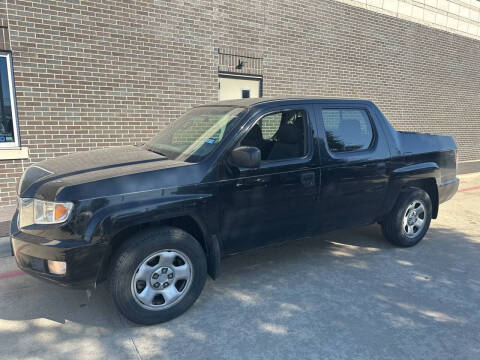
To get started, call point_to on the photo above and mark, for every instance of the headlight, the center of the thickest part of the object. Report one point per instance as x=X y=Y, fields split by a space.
x=49 y=212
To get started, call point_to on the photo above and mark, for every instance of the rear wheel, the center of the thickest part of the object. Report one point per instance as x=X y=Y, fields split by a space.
x=157 y=275
x=409 y=220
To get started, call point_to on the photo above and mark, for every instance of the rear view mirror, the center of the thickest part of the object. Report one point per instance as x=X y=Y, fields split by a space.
x=246 y=157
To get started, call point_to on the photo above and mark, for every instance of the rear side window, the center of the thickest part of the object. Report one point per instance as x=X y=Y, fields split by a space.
x=347 y=129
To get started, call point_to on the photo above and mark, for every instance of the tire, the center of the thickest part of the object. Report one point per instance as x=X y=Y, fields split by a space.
x=402 y=226
x=156 y=275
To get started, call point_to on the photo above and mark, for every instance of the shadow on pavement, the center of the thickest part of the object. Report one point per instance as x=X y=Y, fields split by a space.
x=348 y=294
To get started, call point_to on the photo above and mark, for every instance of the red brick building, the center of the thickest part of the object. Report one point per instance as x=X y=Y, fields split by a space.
x=83 y=74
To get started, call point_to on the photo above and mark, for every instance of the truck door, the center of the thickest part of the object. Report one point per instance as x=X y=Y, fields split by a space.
x=276 y=201
x=354 y=176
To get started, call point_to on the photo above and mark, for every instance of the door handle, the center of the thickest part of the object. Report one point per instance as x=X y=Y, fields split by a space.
x=308 y=179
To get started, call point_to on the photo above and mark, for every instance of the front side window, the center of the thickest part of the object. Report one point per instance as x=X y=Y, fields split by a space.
x=347 y=129
x=279 y=135
x=196 y=133
x=8 y=112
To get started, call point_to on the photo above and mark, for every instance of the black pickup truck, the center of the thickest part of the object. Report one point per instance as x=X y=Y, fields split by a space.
x=155 y=219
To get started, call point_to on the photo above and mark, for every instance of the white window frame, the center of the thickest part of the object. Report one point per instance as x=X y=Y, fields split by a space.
x=13 y=103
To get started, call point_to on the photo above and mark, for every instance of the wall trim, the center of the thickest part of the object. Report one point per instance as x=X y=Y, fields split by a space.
x=14 y=153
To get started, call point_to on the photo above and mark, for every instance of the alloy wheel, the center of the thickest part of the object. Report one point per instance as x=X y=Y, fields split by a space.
x=413 y=219
x=162 y=279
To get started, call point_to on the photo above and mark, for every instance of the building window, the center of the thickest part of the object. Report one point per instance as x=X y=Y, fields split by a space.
x=8 y=111
x=245 y=93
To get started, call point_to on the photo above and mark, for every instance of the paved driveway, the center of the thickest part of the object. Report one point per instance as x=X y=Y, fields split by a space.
x=345 y=295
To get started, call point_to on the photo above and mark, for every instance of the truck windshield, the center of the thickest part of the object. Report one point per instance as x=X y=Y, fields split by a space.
x=196 y=133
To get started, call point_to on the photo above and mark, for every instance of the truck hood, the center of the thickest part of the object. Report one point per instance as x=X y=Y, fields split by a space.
x=47 y=178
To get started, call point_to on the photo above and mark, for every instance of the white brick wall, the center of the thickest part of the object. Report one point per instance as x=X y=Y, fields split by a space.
x=461 y=17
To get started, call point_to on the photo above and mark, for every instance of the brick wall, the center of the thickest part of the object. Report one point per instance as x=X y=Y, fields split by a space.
x=98 y=73
x=423 y=79
x=456 y=16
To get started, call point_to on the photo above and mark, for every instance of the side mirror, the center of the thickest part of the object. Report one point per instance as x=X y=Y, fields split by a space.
x=246 y=156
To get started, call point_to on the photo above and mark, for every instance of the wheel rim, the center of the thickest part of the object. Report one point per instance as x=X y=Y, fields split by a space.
x=162 y=279
x=414 y=219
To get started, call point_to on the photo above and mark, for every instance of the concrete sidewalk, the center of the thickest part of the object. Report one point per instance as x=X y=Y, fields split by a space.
x=6 y=212
x=345 y=295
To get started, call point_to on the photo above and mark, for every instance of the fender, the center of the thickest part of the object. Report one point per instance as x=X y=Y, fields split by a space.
x=416 y=170
x=112 y=219
x=410 y=174
x=119 y=215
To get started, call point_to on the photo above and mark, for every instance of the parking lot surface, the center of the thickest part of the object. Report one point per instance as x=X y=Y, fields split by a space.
x=343 y=295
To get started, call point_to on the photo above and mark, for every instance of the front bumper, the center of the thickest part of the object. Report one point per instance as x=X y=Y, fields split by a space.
x=83 y=259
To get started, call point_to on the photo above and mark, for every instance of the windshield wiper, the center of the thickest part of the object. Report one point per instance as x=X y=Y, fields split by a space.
x=157 y=152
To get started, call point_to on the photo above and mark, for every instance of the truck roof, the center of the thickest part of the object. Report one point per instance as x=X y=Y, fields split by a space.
x=287 y=100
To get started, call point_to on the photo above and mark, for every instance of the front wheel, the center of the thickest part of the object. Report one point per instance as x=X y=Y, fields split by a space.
x=409 y=219
x=157 y=275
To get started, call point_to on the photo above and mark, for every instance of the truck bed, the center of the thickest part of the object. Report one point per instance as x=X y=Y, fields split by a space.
x=418 y=143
